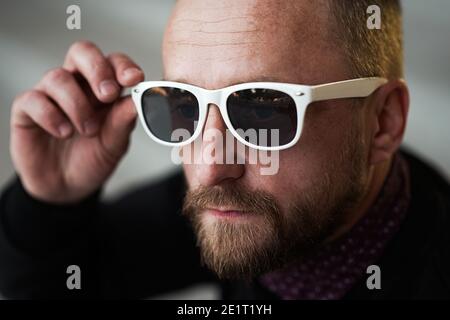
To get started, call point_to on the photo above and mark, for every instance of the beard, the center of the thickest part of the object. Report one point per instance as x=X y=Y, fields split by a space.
x=272 y=238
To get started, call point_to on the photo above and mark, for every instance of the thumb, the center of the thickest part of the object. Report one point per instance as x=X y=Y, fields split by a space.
x=118 y=126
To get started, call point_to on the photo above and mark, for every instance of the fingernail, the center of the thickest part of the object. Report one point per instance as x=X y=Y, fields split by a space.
x=132 y=72
x=65 y=129
x=90 y=127
x=108 y=87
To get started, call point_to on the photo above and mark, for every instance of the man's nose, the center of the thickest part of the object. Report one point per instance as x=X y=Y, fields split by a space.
x=211 y=173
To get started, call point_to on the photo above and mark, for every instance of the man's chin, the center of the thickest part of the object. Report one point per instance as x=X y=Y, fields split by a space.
x=237 y=245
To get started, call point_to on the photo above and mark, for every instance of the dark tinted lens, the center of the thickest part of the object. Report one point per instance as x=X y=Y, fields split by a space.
x=256 y=114
x=171 y=114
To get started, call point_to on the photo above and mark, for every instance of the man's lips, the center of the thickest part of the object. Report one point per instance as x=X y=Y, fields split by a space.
x=226 y=213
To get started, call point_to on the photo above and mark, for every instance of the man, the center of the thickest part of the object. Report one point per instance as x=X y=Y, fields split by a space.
x=343 y=201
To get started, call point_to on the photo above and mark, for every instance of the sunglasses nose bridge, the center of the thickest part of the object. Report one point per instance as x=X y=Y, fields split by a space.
x=213 y=97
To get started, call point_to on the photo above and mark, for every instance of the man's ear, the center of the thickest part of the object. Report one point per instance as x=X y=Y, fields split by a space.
x=391 y=105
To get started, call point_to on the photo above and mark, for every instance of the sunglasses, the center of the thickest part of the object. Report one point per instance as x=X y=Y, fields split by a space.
x=165 y=108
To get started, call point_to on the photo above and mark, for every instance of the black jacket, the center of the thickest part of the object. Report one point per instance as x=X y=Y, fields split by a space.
x=140 y=245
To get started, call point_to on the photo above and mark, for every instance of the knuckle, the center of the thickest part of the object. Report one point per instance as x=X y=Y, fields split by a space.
x=121 y=66
x=82 y=45
x=122 y=61
x=119 y=57
x=57 y=75
x=116 y=55
x=26 y=97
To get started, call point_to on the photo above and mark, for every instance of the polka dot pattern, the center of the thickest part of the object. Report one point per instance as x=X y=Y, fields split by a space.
x=331 y=271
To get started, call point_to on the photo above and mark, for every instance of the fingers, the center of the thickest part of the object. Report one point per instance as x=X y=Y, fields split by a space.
x=87 y=59
x=61 y=86
x=34 y=108
x=127 y=72
x=66 y=98
x=118 y=126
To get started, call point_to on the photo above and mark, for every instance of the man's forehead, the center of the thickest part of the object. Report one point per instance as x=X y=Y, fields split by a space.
x=233 y=18
x=242 y=40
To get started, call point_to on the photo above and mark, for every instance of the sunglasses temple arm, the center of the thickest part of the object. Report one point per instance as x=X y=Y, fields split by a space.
x=354 y=88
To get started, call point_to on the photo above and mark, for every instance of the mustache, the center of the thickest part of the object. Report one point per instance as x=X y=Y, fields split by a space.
x=234 y=196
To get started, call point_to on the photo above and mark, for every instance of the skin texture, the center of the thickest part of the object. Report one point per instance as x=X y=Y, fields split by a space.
x=67 y=136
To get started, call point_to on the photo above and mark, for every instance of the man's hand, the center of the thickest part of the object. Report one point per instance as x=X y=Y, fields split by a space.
x=69 y=132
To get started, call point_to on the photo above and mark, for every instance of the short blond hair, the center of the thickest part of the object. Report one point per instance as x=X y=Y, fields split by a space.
x=370 y=52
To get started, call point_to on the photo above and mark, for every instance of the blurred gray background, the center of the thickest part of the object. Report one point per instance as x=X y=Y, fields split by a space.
x=34 y=38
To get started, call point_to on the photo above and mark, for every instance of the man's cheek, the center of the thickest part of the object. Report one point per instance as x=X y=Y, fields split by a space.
x=300 y=176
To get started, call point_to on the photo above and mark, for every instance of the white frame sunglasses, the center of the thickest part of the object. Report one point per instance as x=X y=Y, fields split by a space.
x=302 y=95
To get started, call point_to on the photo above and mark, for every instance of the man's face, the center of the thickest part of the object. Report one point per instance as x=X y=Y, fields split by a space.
x=269 y=219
